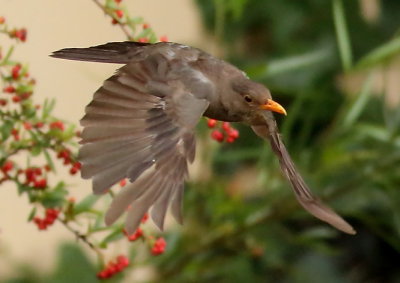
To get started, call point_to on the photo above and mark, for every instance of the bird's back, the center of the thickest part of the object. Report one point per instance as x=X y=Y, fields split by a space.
x=128 y=51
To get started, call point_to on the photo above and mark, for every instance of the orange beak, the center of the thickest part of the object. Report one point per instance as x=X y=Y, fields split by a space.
x=273 y=106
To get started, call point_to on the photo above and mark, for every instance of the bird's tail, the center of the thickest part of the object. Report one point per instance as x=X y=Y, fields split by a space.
x=113 y=52
x=303 y=194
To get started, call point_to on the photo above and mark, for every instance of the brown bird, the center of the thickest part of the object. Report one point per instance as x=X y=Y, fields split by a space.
x=140 y=125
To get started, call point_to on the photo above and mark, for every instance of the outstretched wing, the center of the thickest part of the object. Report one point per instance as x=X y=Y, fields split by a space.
x=140 y=126
x=303 y=194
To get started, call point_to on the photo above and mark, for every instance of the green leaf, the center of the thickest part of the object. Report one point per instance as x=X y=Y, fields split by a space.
x=8 y=55
x=6 y=129
x=342 y=35
x=69 y=132
x=381 y=54
x=85 y=204
x=291 y=63
x=73 y=266
x=49 y=160
x=55 y=197
x=358 y=106
x=48 y=106
x=32 y=214
x=237 y=7
x=24 y=88
x=115 y=235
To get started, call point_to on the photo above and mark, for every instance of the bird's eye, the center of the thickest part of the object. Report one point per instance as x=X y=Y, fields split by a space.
x=248 y=98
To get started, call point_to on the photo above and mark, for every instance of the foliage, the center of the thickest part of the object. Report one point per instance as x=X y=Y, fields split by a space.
x=32 y=131
x=346 y=143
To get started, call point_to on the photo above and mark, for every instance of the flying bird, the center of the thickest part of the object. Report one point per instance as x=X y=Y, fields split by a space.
x=140 y=125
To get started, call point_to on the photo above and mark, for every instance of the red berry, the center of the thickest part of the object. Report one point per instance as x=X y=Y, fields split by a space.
x=145 y=218
x=77 y=165
x=26 y=95
x=138 y=233
x=27 y=126
x=114 y=21
x=7 y=166
x=21 y=34
x=226 y=126
x=112 y=268
x=233 y=133
x=146 y=26
x=104 y=274
x=30 y=175
x=40 y=223
x=230 y=140
x=211 y=123
x=16 y=98
x=143 y=39
x=51 y=215
x=3 y=102
x=14 y=132
x=123 y=260
x=164 y=38
x=122 y=183
x=57 y=125
x=117 y=1
x=40 y=184
x=2 y=20
x=39 y=125
x=159 y=246
x=73 y=170
x=217 y=135
x=9 y=89
x=15 y=71
x=119 y=13
x=37 y=171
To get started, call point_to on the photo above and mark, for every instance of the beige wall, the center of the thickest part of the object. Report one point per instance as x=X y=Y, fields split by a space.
x=54 y=24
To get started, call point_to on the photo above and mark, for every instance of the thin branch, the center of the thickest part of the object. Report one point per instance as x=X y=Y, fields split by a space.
x=83 y=238
x=121 y=25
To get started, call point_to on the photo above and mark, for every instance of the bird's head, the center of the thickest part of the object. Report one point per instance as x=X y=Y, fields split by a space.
x=255 y=97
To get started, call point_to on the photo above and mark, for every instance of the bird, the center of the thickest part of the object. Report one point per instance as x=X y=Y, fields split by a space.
x=140 y=125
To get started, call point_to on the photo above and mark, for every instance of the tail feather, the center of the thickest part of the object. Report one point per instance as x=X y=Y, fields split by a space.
x=113 y=52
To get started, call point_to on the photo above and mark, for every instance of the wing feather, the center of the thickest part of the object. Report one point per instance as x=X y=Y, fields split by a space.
x=140 y=125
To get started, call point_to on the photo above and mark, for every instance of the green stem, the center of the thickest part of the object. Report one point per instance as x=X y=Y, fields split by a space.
x=342 y=34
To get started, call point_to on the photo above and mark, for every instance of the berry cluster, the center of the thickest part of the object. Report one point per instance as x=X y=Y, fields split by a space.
x=225 y=132
x=39 y=133
x=157 y=247
x=49 y=219
x=18 y=84
x=31 y=175
x=138 y=233
x=65 y=155
x=19 y=34
x=119 y=16
x=113 y=267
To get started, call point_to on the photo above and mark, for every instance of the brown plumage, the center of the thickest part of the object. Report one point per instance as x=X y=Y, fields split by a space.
x=140 y=125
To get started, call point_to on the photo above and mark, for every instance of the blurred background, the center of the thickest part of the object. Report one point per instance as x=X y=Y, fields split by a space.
x=334 y=67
